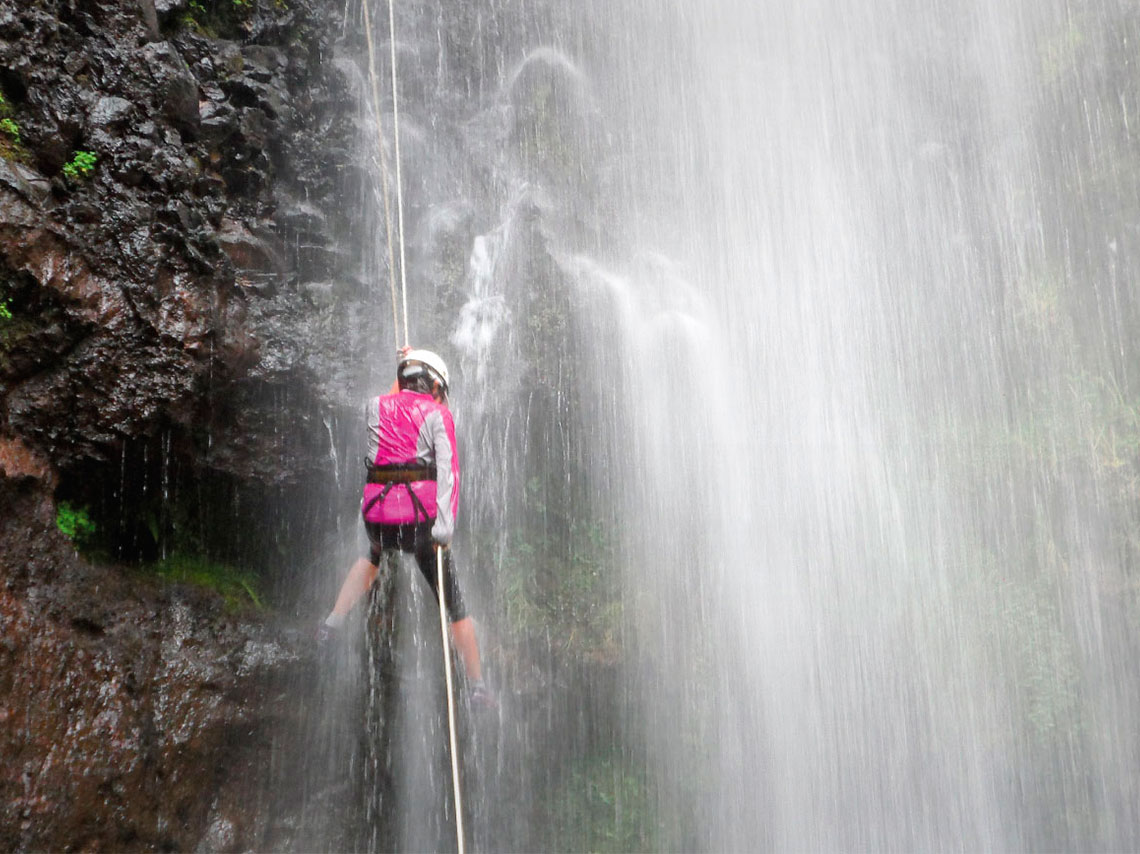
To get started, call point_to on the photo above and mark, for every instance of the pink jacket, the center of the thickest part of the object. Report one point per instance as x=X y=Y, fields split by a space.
x=405 y=428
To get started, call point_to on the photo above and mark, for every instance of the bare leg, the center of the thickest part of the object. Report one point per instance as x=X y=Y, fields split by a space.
x=463 y=636
x=360 y=577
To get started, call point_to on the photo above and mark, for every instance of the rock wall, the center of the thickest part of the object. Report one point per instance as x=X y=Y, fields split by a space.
x=176 y=186
x=134 y=716
x=141 y=286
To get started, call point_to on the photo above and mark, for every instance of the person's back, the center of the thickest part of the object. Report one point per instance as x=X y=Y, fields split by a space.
x=411 y=431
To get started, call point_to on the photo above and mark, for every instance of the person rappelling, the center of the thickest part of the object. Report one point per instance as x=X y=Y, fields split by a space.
x=411 y=499
x=411 y=490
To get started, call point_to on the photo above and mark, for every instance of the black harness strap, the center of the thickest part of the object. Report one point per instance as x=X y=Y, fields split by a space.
x=376 y=499
x=419 y=505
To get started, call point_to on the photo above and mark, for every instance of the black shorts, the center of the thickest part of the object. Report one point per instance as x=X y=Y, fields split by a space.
x=415 y=539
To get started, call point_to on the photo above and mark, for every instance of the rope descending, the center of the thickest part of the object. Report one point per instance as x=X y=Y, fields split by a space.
x=460 y=845
x=396 y=139
x=384 y=168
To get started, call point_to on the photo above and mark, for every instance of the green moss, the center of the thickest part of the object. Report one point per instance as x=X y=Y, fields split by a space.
x=564 y=590
x=217 y=18
x=237 y=587
x=195 y=18
x=602 y=805
x=13 y=332
x=10 y=129
x=75 y=523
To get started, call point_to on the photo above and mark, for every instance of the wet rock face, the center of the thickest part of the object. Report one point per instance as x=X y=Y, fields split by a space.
x=167 y=173
x=174 y=162
x=125 y=707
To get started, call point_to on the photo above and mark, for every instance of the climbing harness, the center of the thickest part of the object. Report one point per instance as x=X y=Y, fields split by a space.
x=393 y=475
x=450 y=702
x=384 y=168
x=399 y=473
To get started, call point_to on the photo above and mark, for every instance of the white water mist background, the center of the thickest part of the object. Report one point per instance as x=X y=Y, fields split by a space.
x=878 y=642
x=863 y=619
x=843 y=409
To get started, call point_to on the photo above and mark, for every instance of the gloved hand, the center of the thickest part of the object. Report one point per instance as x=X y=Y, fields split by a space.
x=438 y=538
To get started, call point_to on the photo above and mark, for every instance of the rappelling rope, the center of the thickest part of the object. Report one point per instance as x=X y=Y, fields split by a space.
x=450 y=701
x=396 y=139
x=384 y=168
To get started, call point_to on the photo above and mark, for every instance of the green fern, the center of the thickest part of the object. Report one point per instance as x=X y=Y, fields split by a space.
x=81 y=165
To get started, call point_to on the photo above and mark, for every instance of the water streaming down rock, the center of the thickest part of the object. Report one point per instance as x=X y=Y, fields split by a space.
x=795 y=395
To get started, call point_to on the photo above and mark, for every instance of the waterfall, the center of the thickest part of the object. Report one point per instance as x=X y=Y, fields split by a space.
x=797 y=450
x=898 y=630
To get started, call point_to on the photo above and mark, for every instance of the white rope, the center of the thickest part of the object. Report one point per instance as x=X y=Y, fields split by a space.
x=450 y=701
x=399 y=181
x=384 y=182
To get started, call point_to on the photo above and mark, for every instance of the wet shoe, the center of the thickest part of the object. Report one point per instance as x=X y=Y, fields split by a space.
x=483 y=698
x=326 y=636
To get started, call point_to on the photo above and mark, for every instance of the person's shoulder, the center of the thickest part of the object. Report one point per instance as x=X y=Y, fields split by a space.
x=432 y=408
x=386 y=402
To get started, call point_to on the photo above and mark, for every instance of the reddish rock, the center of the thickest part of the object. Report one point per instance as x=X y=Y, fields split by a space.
x=128 y=708
x=18 y=460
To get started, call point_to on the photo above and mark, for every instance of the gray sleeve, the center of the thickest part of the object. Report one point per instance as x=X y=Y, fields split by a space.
x=372 y=420
x=445 y=477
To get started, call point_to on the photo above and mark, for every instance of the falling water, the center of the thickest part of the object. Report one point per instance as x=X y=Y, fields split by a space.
x=886 y=602
x=799 y=334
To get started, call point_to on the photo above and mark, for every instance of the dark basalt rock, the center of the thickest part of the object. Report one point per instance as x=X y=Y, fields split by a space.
x=159 y=302
x=108 y=113
x=174 y=85
x=170 y=7
x=178 y=225
x=28 y=184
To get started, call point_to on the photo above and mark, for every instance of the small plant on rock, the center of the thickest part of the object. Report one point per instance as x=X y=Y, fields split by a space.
x=11 y=146
x=81 y=165
x=10 y=129
x=5 y=310
x=74 y=523
x=194 y=18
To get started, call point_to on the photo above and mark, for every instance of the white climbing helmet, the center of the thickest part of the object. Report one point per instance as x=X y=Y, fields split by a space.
x=435 y=365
